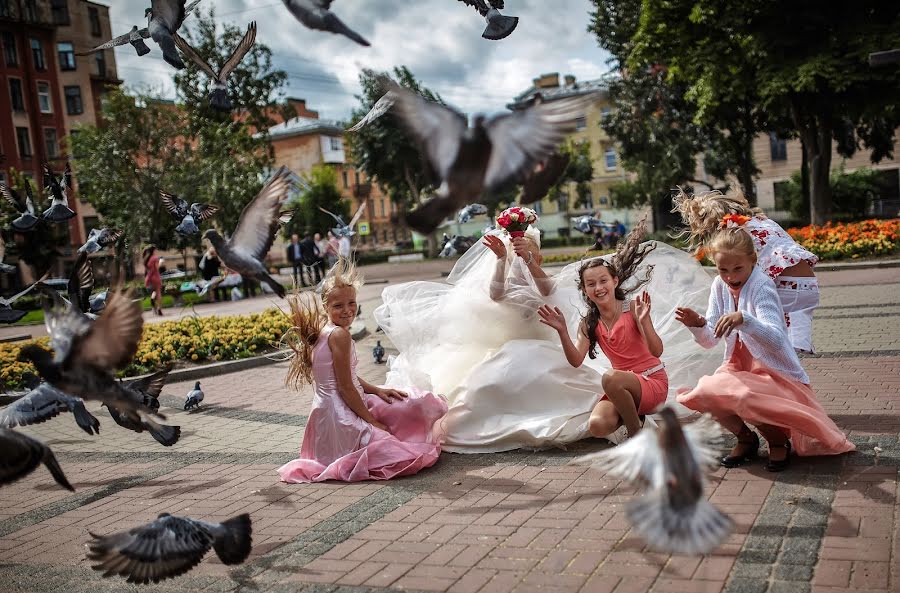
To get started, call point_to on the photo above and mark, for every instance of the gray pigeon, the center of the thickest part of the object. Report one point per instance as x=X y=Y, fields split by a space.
x=315 y=14
x=456 y=245
x=135 y=37
x=342 y=229
x=164 y=19
x=382 y=106
x=86 y=354
x=194 y=397
x=4 y=268
x=100 y=239
x=43 y=403
x=586 y=223
x=498 y=26
x=187 y=217
x=169 y=546
x=145 y=392
x=245 y=251
x=59 y=210
x=7 y=313
x=218 y=96
x=466 y=214
x=378 y=353
x=20 y=455
x=28 y=217
x=97 y=302
x=79 y=286
x=545 y=175
x=486 y=157
x=672 y=515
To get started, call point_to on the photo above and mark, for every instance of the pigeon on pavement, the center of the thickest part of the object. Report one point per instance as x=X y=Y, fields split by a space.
x=187 y=217
x=378 y=353
x=24 y=205
x=194 y=397
x=20 y=455
x=246 y=250
x=315 y=14
x=218 y=96
x=43 y=403
x=169 y=546
x=59 y=210
x=100 y=239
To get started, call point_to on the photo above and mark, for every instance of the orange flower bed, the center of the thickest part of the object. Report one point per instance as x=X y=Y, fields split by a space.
x=867 y=238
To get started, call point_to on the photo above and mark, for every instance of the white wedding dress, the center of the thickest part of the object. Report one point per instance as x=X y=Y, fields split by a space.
x=506 y=379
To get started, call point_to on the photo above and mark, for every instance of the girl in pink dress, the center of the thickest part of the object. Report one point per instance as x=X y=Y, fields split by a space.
x=152 y=279
x=356 y=430
x=762 y=382
x=637 y=383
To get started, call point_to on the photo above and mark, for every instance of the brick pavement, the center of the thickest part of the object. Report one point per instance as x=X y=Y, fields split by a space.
x=518 y=522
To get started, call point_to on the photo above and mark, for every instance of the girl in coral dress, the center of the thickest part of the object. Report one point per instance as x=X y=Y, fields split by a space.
x=356 y=430
x=762 y=382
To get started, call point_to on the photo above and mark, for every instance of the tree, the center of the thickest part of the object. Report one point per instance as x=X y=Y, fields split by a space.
x=321 y=192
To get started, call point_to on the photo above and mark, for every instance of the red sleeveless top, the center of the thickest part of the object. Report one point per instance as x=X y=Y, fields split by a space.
x=624 y=345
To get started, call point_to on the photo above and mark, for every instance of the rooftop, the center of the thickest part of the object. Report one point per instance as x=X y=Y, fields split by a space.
x=298 y=126
x=549 y=88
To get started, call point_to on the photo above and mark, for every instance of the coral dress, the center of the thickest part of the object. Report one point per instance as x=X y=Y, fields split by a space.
x=339 y=445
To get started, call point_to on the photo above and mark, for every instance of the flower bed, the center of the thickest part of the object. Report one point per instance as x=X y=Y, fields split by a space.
x=192 y=339
x=868 y=238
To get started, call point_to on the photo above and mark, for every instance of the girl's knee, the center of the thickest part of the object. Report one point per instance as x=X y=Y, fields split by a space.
x=602 y=425
x=611 y=379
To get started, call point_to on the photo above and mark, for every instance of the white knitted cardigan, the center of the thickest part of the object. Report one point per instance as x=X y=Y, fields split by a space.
x=763 y=332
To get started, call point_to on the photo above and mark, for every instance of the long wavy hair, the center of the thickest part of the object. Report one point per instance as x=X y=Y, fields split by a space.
x=148 y=253
x=308 y=316
x=623 y=265
x=703 y=213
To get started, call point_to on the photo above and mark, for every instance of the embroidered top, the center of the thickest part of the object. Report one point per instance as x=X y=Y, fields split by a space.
x=775 y=249
x=763 y=331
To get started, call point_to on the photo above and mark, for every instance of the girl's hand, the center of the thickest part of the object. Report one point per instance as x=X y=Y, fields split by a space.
x=641 y=306
x=388 y=394
x=495 y=244
x=553 y=317
x=689 y=317
x=728 y=323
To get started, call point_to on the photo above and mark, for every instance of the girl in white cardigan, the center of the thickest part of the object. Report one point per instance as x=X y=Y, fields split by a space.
x=762 y=382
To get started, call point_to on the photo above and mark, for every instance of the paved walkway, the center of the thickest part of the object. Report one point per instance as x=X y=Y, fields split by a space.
x=512 y=522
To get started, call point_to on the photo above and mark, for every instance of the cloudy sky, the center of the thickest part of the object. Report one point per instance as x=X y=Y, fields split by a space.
x=439 y=40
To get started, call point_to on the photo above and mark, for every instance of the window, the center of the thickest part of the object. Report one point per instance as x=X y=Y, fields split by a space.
x=50 y=143
x=538 y=207
x=777 y=147
x=73 y=100
x=94 y=18
x=9 y=49
x=344 y=175
x=31 y=11
x=43 y=90
x=37 y=54
x=6 y=10
x=356 y=174
x=385 y=233
x=580 y=123
x=24 y=143
x=100 y=56
x=587 y=202
x=59 y=10
x=382 y=215
x=335 y=143
x=15 y=94
x=604 y=113
x=610 y=158
x=66 y=53
x=562 y=202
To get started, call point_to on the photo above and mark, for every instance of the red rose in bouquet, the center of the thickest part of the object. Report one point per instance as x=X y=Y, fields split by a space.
x=516 y=220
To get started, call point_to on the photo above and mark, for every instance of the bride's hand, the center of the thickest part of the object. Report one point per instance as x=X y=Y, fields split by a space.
x=522 y=248
x=553 y=317
x=495 y=244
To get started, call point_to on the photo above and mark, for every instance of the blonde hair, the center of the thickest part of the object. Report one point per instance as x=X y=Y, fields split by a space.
x=703 y=213
x=308 y=316
x=732 y=240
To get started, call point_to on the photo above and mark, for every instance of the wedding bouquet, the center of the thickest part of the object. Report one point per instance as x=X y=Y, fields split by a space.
x=516 y=220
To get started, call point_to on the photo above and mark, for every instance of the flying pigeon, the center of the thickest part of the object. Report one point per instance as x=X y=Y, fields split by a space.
x=456 y=245
x=79 y=286
x=20 y=455
x=485 y=157
x=466 y=214
x=4 y=268
x=672 y=515
x=218 y=96
x=315 y=14
x=187 y=217
x=43 y=403
x=86 y=354
x=169 y=546
x=544 y=177
x=135 y=37
x=498 y=26
x=28 y=217
x=245 y=251
x=346 y=230
x=7 y=313
x=164 y=19
x=145 y=393
x=194 y=397
x=100 y=239
x=59 y=210
x=382 y=106
x=586 y=223
x=97 y=302
x=378 y=353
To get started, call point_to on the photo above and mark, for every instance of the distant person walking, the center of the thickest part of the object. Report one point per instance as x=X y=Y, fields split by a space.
x=322 y=245
x=210 y=268
x=295 y=257
x=331 y=253
x=152 y=279
x=311 y=257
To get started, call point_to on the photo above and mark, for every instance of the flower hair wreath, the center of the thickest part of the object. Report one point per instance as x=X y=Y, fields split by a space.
x=733 y=221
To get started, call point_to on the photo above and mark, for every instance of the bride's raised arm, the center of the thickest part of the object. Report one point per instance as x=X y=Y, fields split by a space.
x=527 y=249
x=498 y=280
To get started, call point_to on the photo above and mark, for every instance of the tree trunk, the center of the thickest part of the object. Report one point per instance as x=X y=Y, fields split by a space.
x=815 y=134
x=804 y=185
x=747 y=166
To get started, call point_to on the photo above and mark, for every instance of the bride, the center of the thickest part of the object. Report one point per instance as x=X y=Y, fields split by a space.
x=477 y=340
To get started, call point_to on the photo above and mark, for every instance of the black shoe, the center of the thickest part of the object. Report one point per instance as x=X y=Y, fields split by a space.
x=751 y=453
x=780 y=466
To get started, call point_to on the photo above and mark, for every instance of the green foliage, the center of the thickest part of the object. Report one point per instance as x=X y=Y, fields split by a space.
x=322 y=191
x=852 y=194
x=579 y=171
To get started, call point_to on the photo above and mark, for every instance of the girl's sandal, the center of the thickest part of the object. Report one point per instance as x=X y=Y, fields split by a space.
x=750 y=452
x=782 y=464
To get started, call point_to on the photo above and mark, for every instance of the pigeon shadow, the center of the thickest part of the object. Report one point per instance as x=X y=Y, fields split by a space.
x=54 y=442
x=77 y=485
x=276 y=495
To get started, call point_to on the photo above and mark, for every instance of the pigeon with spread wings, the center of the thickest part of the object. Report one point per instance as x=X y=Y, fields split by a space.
x=381 y=106
x=485 y=157
x=165 y=18
x=135 y=37
x=100 y=239
x=545 y=175
x=59 y=210
x=4 y=268
x=498 y=25
x=187 y=216
x=346 y=230
x=316 y=14
x=7 y=313
x=43 y=403
x=24 y=205
x=169 y=546
x=260 y=220
x=145 y=392
x=218 y=95
x=20 y=455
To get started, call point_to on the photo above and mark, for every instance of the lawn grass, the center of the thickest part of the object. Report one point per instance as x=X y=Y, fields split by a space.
x=36 y=317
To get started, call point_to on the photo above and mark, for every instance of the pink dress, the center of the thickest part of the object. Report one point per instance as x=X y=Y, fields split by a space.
x=627 y=350
x=152 y=278
x=339 y=445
